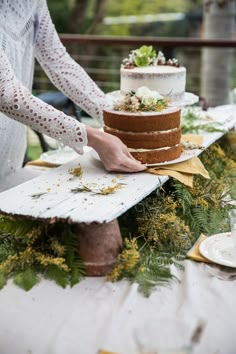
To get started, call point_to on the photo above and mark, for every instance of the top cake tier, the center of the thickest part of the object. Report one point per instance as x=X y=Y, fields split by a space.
x=169 y=81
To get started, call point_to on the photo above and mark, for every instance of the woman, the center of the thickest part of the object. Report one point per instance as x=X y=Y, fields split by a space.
x=26 y=32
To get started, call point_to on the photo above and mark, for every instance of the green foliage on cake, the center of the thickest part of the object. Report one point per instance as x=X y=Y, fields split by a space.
x=147 y=56
x=144 y=56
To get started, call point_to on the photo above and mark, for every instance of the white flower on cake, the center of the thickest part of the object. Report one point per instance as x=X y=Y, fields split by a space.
x=143 y=100
x=147 y=96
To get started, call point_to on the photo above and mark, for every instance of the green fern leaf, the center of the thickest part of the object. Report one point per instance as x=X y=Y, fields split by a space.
x=3 y=280
x=16 y=227
x=56 y=274
x=26 y=279
x=183 y=196
x=76 y=276
x=149 y=279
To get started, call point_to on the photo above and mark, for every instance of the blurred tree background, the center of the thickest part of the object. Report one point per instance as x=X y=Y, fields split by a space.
x=86 y=16
x=179 y=18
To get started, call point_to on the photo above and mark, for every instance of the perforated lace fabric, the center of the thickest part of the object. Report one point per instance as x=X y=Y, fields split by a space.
x=26 y=32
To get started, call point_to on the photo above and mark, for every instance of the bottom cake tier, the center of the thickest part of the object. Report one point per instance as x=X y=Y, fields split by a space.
x=157 y=155
x=152 y=137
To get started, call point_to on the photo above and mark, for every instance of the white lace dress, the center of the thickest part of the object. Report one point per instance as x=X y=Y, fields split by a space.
x=26 y=32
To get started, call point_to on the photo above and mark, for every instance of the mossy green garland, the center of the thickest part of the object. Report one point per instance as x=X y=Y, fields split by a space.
x=157 y=232
x=29 y=248
x=166 y=224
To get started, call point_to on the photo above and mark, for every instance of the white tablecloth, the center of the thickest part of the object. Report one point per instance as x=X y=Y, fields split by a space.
x=97 y=314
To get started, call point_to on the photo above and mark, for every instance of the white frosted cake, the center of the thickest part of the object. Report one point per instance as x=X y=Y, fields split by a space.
x=145 y=67
x=167 y=80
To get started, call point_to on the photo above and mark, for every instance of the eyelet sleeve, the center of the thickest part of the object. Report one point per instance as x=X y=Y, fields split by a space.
x=18 y=103
x=67 y=75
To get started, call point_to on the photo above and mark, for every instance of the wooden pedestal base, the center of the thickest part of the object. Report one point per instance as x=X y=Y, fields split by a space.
x=99 y=246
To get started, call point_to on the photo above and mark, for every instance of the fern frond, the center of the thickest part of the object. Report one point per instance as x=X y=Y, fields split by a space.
x=151 y=278
x=26 y=279
x=17 y=227
x=56 y=274
x=183 y=196
x=3 y=280
x=8 y=246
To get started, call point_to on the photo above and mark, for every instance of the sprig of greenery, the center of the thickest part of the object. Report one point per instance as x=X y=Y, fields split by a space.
x=37 y=195
x=168 y=222
x=29 y=248
x=144 y=55
x=102 y=191
x=191 y=122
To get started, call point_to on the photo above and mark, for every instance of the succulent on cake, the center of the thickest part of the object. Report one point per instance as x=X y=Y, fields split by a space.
x=147 y=56
x=143 y=100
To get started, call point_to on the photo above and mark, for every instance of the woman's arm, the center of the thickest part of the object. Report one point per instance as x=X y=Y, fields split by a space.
x=67 y=75
x=70 y=78
x=18 y=103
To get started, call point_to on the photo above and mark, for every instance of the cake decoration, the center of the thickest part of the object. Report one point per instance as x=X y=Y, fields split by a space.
x=146 y=67
x=144 y=117
x=147 y=56
x=143 y=100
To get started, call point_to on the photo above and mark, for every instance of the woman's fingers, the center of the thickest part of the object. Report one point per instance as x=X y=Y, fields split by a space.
x=123 y=163
x=114 y=155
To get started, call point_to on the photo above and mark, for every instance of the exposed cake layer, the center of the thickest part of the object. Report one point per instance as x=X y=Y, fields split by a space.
x=152 y=137
x=143 y=121
x=157 y=155
x=167 y=80
x=147 y=140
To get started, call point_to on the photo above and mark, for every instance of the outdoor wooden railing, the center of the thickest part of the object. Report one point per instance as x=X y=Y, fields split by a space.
x=101 y=57
x=155 y=41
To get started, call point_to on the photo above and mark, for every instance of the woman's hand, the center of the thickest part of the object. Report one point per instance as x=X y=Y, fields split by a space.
x=112 y=152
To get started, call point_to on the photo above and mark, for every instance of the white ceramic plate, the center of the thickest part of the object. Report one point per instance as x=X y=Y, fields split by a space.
x=188 y=99
x=186 y=155
x=59 y=157
x=219 y=249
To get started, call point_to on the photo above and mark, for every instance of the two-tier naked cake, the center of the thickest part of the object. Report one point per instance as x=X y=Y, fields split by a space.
x=142 y=117
x=145 y=67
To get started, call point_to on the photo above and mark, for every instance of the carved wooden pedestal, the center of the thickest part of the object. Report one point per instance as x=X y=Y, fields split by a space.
x=99 y=246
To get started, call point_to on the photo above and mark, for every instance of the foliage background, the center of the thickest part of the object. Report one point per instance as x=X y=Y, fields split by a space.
x=66 y=13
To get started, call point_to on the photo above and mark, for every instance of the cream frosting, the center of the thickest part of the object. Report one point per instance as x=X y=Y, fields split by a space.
x=167 y=80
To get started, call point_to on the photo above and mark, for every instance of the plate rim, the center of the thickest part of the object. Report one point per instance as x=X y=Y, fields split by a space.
x=189 y=98
x=44 y=157
x=192 y=153
x=189 y=154
x=212 y=259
